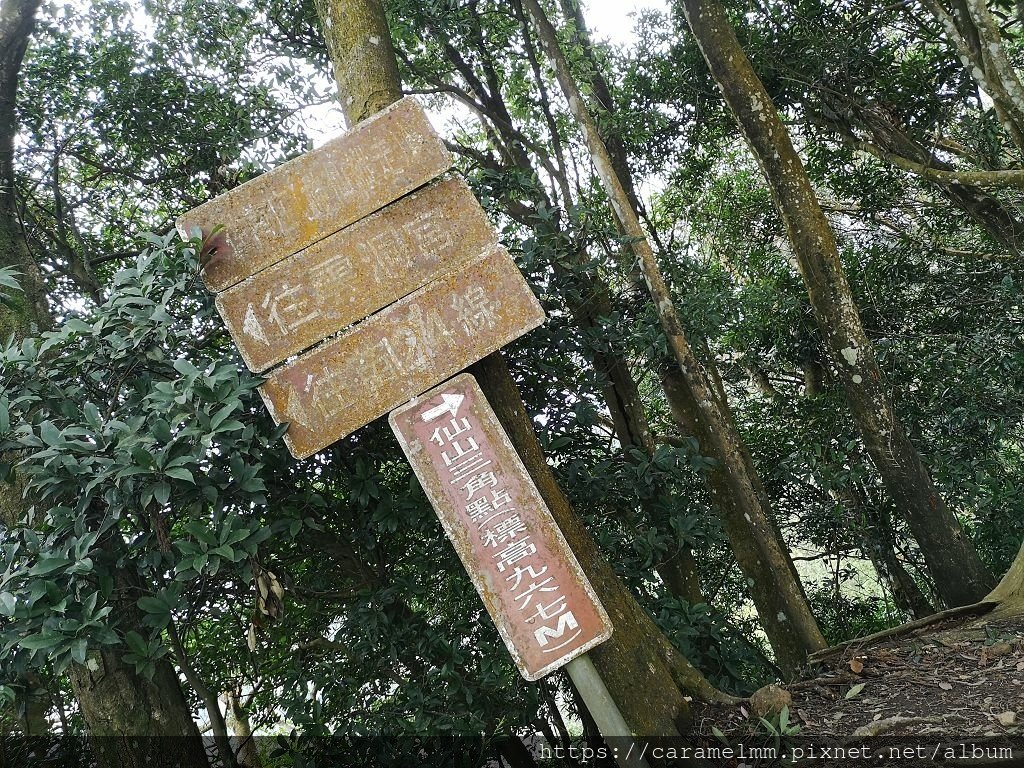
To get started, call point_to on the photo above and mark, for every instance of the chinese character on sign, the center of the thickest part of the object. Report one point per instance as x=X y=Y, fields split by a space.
x=474 y=309
x=478 y=482
x=288 y=308
x=507 y=529
x=514 y=552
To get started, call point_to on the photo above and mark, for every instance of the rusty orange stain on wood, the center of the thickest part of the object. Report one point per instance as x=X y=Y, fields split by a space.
x=315 y=195
x=533 y=587
x=341 y=279
x=401 y=351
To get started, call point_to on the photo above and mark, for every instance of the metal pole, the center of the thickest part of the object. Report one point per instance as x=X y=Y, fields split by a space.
x=588 y=682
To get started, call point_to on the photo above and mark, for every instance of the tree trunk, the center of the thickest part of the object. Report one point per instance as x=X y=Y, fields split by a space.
x=588 y=298
x=238 y=722
x=974 y=32
x=32 y=705
x=134 y=722
x=1009 y=593
x=879 y=544
x=696 y=401
x=28 y=313
x=514 y=752
x=644 y=674
x=959 y=574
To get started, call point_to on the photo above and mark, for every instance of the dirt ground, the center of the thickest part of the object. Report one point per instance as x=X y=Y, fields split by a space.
x=951 y=693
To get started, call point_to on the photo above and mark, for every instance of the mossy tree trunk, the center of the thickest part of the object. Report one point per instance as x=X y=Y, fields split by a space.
x=959 y=574
x=134 y=722
x=698 y=405
x=1009 y=593
x=975 y=33
x=647 y=677
x=27 y=312
x=240 y=725
x=587 y=295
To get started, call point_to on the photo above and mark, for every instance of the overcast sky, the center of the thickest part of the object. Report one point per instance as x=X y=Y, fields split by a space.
x=610 y=19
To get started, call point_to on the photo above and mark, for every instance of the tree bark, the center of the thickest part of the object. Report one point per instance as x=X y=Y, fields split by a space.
x=238 y=722
x=959 y=574
x=1009 y=593
x=29 y=312
x=588 y=298
x=879 y=544
x=974 y=32
x=644 y=674
x=696 y=402
x=134 y=722
x=32 y=705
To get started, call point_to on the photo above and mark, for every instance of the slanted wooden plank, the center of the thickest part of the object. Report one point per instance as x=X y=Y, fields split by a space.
x=312 y=196
x=401 y=351
x=518 y=559
x=341 y=279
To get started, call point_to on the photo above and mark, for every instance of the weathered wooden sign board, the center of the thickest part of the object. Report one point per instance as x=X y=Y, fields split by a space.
x=530 y=582
x=383 y=279
x=347 y=276
x=379 y=364
x=302 y=201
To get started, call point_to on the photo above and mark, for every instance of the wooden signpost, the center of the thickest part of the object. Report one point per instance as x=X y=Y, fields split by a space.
x=356 y=280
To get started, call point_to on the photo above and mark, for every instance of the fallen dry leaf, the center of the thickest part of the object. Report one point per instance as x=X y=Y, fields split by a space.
x=856 y=666
x=1006 y=719
x=946 y=686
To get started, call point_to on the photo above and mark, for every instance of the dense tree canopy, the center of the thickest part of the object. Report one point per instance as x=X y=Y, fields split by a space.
x=167 y=567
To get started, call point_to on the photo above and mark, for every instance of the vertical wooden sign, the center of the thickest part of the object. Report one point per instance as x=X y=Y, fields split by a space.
x=530 y=582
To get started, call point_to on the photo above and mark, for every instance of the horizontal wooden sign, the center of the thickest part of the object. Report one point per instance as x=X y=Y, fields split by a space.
x=315 y=195
x=405 y=349
x=529 y=579
x=341 y=279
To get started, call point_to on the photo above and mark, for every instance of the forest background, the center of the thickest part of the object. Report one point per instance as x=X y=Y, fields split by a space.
x=811 y=433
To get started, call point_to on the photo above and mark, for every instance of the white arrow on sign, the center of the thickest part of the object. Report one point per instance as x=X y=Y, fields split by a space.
x=451 y=404
x=251 y=325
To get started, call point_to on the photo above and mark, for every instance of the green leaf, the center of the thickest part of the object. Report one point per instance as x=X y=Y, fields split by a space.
x=162 y=492
x=50 y=434
x=185 y=368
x=180 y=473
x=855 y=691
x=40 y=641
x=49 y=565
x=79 y=649
x=135 y=642
x=152 y=605
x=92 y=416
x=223 y=413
